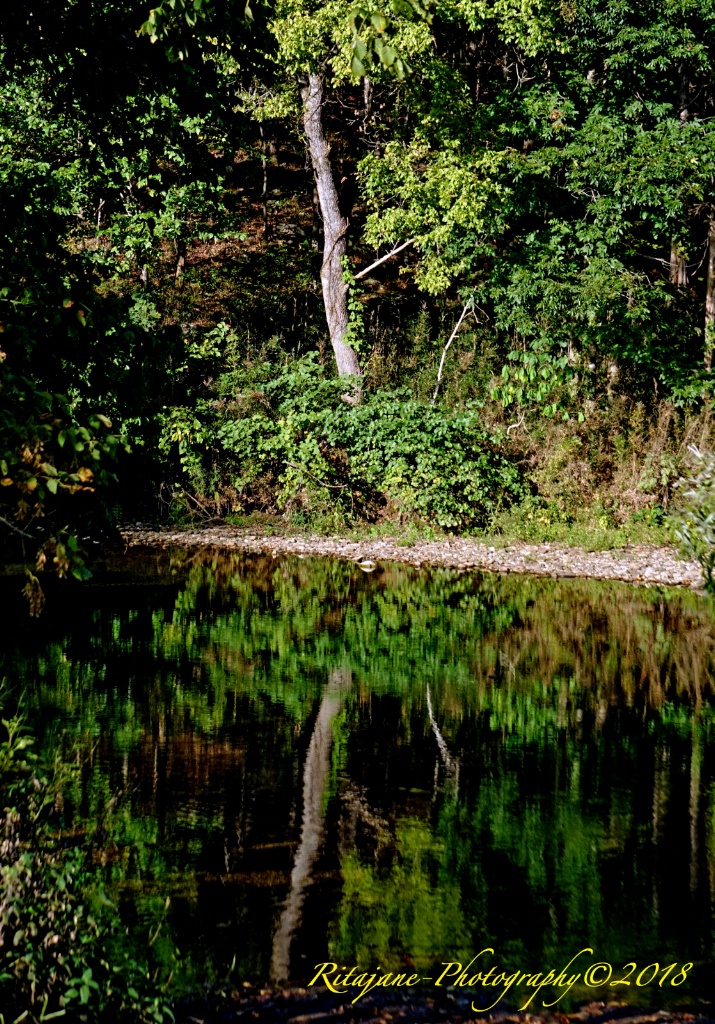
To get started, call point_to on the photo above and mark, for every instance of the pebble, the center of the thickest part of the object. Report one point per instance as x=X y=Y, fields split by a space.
x=644 y=563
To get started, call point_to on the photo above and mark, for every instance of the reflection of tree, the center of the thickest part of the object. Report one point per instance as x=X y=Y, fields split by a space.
x=269 y=631
x=411 y=908
x=550 y=843
x=568 y=706
x=315 y=782
x=694 y=805
x=451 y=763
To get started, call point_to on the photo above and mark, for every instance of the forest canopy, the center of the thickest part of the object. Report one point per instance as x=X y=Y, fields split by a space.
x=192 y=196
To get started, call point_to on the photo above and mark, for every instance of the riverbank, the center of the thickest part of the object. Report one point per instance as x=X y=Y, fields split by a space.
x=643 y=564
x=316 y=1006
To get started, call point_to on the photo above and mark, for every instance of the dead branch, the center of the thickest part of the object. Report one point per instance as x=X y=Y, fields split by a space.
x=383 y=258
x=467 y=306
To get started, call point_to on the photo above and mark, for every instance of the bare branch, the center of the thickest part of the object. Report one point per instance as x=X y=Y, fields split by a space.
x=467 y=306
x=383 y=258
x=515 y=426
x=11 y=526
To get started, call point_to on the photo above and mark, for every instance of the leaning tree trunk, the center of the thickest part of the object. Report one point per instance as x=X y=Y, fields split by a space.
x=335 y=291
x=710 y=296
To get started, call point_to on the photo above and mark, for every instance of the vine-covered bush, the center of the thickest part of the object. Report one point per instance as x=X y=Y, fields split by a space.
x=288 y=439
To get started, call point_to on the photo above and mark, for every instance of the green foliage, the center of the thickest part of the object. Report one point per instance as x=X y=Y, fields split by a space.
x=47 y=453
x=62 y=948
x=291 y=429
x=355 y=334
x=562 y=189
x=554 y=160
x=696 y=520
x=100 y=174
x=377 y=42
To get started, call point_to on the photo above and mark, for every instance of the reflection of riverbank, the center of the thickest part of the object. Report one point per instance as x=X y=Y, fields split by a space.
x=389 y=767
x=638 y=564
x=318 y=1006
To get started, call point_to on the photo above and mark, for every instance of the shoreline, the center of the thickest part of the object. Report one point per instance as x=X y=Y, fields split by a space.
x=297 y=1005
x=640 y=564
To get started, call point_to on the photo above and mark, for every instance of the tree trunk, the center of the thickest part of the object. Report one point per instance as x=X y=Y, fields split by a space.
x=710 y=296
x=180 y=261
x=367 y=100
x=264 y=191
x=678 y=269
x=335 y=291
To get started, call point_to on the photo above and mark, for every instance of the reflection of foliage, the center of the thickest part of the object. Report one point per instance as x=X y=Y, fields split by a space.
x=561 y=700
x=61 y=945
x=527 y=652
x=404 y=912
x=531 y=868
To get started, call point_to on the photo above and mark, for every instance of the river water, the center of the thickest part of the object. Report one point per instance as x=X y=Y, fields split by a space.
x=289 y=761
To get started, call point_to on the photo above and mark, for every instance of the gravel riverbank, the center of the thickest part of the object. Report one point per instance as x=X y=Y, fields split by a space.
x=303 y=1006
x=641 y=564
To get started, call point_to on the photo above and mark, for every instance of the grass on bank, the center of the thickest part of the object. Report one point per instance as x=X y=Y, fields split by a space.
x=527 y=523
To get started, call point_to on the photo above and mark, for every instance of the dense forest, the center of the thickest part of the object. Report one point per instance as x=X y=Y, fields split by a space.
x=451 y=265
x=417 y=267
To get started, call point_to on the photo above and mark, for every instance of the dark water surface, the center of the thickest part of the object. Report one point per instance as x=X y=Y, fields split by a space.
x=394 y=769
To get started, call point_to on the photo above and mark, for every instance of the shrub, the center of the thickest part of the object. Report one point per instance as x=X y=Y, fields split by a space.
x=696 y=522
x=285 y=435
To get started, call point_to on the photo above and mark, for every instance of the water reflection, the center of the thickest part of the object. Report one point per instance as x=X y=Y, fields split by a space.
x=394 y=769
x=315 y=789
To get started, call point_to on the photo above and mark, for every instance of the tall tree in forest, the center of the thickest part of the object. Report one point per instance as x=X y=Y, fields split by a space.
x=332 y=45
x=323 y=46
x=335 y=226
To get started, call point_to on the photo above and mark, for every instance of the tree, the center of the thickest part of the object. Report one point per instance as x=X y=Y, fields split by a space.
x=550 y=161
x=319 y=45
x=104 y=158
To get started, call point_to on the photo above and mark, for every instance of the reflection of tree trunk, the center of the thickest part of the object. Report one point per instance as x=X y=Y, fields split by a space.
x=660 y=806
x=335 y=292
x=315 y=779
x=441 y=744
x=695 y=757
x=660 y=793
x=451 y=764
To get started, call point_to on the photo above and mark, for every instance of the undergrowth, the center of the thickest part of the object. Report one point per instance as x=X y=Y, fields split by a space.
x=276 y=445
x=282 y=439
